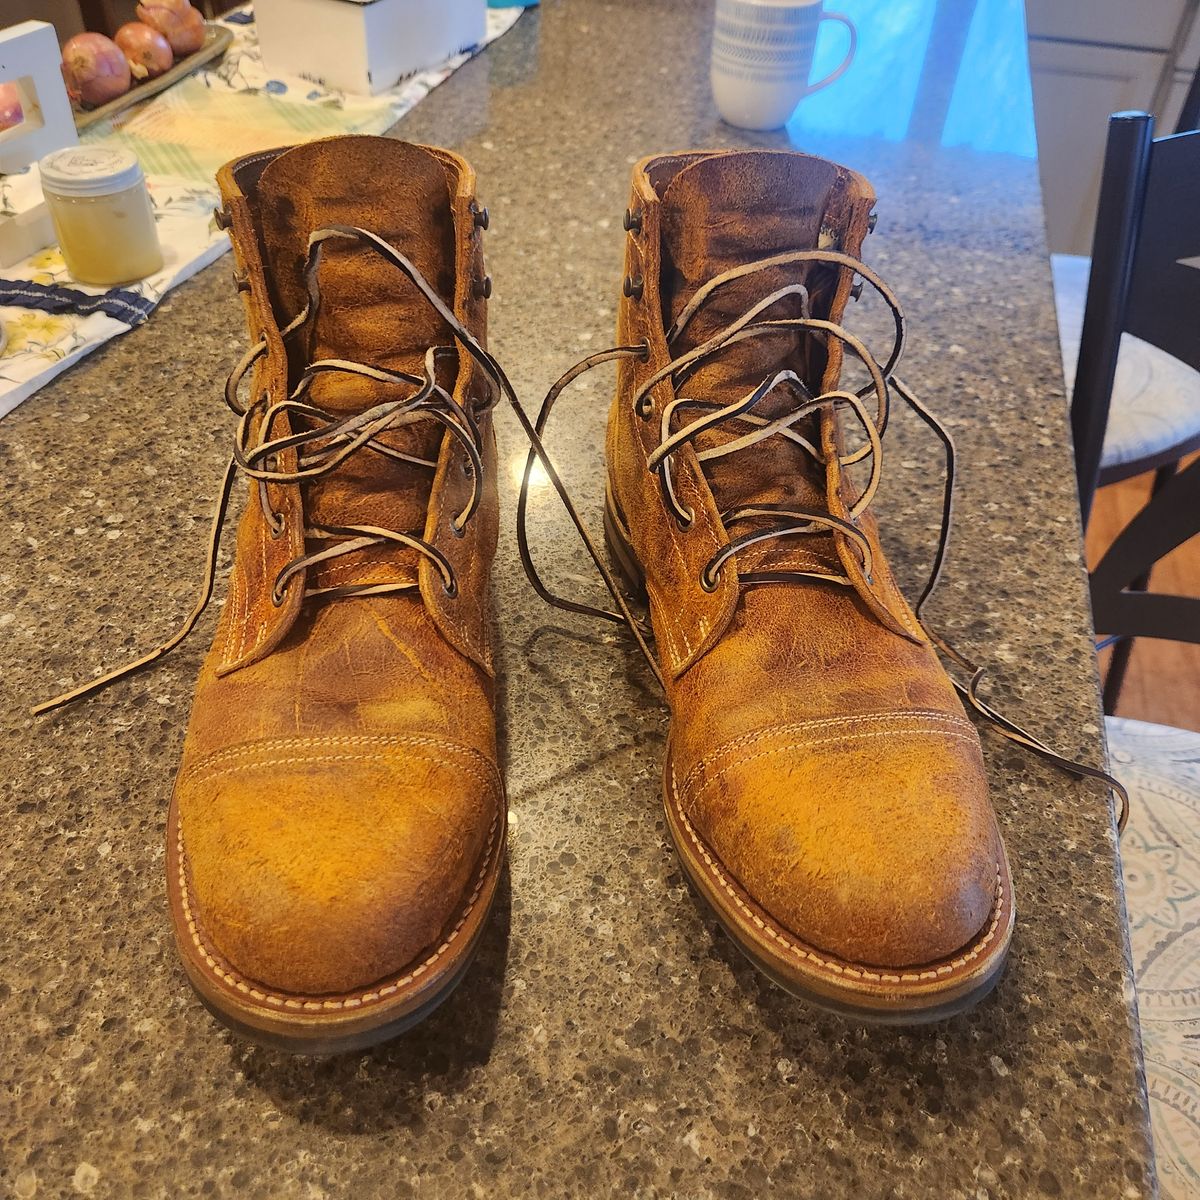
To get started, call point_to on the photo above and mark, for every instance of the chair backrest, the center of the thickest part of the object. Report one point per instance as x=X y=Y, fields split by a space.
x=1164 y=290
x=1189 y=114
x=1145 y=275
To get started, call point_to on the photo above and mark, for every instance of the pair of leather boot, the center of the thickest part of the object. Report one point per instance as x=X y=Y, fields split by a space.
x=338 y=824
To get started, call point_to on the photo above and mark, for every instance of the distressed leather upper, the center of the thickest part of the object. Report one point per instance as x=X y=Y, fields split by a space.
x=817 y=747
x=339 y=780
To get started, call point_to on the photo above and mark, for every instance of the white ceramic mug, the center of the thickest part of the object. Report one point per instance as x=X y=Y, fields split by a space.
x=762 y=55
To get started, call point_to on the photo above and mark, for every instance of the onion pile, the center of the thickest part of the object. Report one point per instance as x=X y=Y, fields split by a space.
x=177 y=21
x=94 y=68
x=146 y=50
x=98 y=69
x=11 y=112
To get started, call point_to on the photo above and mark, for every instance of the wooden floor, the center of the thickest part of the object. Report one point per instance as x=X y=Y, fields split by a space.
x=1163 y=683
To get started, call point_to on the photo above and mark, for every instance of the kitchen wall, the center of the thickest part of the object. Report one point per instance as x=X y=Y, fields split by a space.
x=64 y=15
x=1090 y=58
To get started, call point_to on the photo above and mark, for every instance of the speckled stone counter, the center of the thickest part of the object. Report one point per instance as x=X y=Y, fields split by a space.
x=609 y=1041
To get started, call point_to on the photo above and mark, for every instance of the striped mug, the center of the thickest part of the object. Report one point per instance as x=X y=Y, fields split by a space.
x=762 y=54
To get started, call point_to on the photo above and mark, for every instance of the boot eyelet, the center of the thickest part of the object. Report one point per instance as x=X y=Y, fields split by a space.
x=277 y=597
x=687 y=522
x=241 y=281
x=708 y=581
x=480 y=215
x=451 y=589
x=645 y=407
x=633 y=286
x=277 y=525
x=482 y=288
x=872 y=221
x=459 y=531
x=632 y=221
x=222 y=218
x=856 y=289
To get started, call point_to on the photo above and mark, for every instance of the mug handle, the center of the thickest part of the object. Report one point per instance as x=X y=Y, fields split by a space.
x=838 y=72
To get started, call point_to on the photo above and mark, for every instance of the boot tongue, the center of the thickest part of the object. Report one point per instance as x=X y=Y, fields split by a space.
x=729 y=210
x=369 y=311
x=726 y=211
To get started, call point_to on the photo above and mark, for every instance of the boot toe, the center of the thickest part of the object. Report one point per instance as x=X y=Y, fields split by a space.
x=319 y=872
x=881 y=852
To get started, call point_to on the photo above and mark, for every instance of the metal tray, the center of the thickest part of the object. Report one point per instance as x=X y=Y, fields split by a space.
x=216 y=42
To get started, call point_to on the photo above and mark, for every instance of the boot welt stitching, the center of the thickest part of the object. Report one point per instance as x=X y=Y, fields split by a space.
x=856 y=970
x=898 y=717
x=354 y=1000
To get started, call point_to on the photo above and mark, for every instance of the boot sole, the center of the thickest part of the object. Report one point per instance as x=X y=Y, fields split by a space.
x=330 y=1024
x=875 y=995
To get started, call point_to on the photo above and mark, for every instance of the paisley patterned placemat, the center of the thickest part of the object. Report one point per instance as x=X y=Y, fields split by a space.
x=1160 y=855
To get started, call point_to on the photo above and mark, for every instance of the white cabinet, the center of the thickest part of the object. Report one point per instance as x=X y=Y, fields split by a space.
x=1075 y=88
x=1146 y=24
x=1091 y=58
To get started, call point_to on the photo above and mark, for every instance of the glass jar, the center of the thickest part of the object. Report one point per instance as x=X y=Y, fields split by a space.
x=101 y=211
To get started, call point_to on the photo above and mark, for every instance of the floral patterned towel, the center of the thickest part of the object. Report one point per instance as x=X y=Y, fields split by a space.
x=180 y=137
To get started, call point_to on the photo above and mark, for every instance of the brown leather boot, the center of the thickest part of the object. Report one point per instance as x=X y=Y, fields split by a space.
x=338 y=822
x=824 y=789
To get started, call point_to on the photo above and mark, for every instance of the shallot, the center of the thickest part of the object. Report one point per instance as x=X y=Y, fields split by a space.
x=94 y=68
x=146 y=50
x=11 y=112
x=181 y=24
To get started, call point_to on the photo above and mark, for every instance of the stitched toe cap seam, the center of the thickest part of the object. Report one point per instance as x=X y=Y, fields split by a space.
x=280 y=752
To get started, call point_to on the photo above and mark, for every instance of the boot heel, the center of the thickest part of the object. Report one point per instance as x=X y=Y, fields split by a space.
x=620 y=551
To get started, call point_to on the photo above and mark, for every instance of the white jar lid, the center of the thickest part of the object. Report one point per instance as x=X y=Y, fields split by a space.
x=90 y=170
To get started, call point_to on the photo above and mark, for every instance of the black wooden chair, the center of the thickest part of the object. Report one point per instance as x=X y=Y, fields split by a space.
x=1135 y=405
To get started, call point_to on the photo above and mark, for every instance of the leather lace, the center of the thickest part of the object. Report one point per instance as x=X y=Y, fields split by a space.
x=326 y=441
x=758 y=523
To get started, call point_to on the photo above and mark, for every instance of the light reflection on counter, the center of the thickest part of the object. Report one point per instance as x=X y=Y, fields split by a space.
x=516 y=471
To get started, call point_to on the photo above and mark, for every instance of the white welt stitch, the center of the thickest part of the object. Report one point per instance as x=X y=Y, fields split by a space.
x=825 y=723
x=829 y=964
x=358 y=998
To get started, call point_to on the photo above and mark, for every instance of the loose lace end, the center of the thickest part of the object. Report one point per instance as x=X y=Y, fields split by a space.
x=206 y=591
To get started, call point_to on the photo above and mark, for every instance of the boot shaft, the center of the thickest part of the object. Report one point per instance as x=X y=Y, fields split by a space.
x=360 y=309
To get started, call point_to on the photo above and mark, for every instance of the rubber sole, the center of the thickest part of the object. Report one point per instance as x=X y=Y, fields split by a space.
x=873 y=995
x=330 y=1024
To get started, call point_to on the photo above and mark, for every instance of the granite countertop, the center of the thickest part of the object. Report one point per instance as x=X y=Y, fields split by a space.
x=609 y=1040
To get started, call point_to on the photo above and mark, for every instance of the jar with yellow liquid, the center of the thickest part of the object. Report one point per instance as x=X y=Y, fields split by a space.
x=101 y=211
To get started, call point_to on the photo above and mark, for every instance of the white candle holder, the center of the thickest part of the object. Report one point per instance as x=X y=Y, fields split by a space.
x=29 y=57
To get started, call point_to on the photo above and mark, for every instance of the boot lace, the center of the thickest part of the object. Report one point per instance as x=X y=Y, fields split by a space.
x=326 y=441
x=759 y=523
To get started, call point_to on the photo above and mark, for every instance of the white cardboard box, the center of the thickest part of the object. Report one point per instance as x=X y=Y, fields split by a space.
x=365 y=46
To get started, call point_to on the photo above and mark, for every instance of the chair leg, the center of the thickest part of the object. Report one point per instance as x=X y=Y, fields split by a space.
x=1118 y=665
